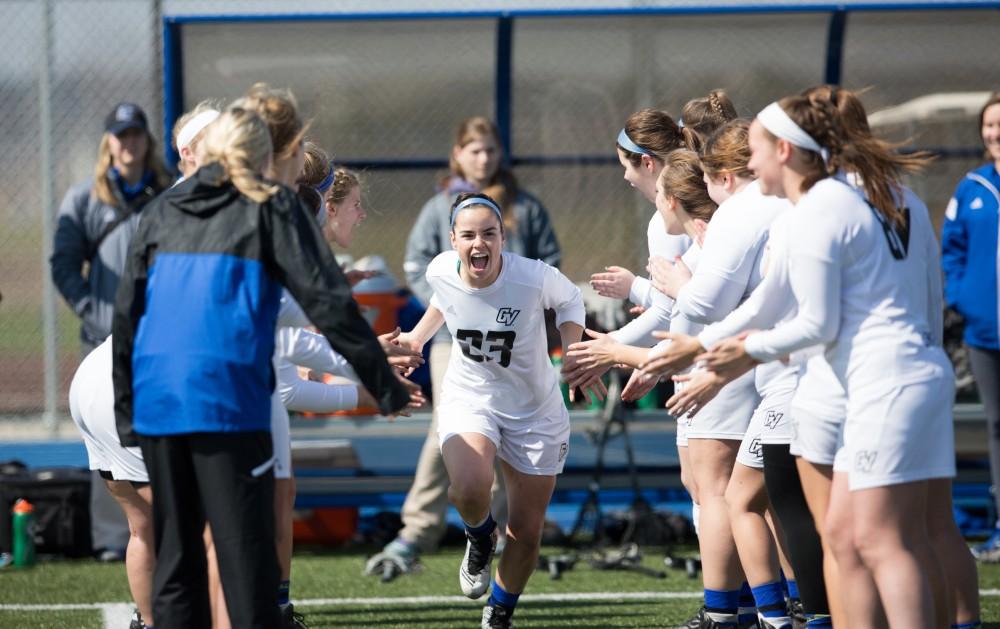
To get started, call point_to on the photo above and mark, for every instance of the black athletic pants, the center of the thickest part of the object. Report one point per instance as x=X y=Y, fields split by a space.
x=805 y=550
x=226 y=478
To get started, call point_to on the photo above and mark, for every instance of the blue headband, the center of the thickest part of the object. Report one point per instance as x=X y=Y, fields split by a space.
x=626 y=143
x=326 y=183
x=475 y=201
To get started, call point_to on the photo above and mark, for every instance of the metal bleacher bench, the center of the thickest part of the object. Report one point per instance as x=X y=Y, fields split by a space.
x=369 y=461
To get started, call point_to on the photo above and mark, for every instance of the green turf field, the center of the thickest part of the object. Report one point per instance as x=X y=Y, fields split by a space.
x=328 y=587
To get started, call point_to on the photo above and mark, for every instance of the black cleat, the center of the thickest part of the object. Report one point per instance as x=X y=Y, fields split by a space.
x=291 y=619
x=497 y=617
x=136 y=621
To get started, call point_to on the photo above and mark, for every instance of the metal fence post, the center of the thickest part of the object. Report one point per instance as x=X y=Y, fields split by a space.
x=49 y=331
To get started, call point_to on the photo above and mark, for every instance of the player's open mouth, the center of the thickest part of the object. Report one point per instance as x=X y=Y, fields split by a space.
x=479 y=261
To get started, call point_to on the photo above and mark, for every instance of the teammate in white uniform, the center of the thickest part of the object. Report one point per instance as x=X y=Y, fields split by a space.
x=862 y=294
x=91 y=404
x=500 y=396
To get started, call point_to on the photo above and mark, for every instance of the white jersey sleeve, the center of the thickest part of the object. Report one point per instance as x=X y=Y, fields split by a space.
x=659 y=307
x=730 y=263
x=770 y=302
x=308 y=349
x=293 y=347
x=290 y=313
x=564 y=297
x=921 y=226
x=814 y=276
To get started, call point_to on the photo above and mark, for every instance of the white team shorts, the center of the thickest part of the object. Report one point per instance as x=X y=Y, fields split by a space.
x=536 y=445
x=901 y=433
x=770 y=421
x=818 y=413
x=728 y=415
x=281 y=437
x=818 y=436
x=91 y=404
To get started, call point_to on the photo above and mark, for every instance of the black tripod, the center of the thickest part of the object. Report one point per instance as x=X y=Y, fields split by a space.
x=642 y=524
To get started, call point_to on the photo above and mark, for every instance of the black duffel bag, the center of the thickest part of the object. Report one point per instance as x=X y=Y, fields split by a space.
x=61 y=500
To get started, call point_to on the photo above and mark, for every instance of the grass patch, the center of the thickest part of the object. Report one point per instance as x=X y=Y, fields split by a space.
x=324 y=575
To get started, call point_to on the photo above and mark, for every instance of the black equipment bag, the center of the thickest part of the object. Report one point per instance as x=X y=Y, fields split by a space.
x=61 y=500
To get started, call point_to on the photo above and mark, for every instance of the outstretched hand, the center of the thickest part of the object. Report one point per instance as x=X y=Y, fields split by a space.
x=402 y=351
x=615 y=282
x=598 y=352
x=728 y=358
x=701 y=388
x=673 y=357
x=668 y=277
x=637 y=386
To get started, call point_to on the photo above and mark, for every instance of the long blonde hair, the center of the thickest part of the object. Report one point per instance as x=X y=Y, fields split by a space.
x=241 y=142
x=103 y=189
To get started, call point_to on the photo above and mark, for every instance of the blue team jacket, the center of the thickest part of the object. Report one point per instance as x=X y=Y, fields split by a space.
x=970 y=257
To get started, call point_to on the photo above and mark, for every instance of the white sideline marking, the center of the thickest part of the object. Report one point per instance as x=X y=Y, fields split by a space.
x=407 y=600
x=116 y=615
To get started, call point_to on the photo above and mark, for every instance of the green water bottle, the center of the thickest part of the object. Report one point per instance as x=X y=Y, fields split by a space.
x=24 y=533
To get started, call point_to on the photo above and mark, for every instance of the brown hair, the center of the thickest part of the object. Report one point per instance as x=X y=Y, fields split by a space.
x=683 y=179
x=315 y=170
x=655 y=131
x=503 y=187
x=704 y=115
x=473 y=195
x=727 y=151
x=241 y=142
x=994 y=99
x=344 y=181
x=280 y=111
x=103 y=186
x=851 y=148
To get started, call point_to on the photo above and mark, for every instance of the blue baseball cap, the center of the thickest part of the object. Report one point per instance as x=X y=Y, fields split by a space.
x=125 y=116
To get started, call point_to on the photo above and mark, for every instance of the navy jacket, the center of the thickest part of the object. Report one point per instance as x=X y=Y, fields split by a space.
x=197 y=305
x=970 y=256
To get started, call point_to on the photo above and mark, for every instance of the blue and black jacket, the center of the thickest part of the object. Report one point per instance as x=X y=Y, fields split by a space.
x=970 y=256
x=197 y=306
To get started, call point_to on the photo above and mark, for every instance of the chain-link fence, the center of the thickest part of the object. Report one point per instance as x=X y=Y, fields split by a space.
x=388 y=92
x=67 y=63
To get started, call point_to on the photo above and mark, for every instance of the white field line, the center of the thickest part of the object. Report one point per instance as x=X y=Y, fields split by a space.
x=412 y=600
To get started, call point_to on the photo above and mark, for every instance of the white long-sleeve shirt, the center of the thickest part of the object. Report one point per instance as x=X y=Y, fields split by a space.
x=871 y=310
x=732 y=255
x=297 y=347
x=659 y=307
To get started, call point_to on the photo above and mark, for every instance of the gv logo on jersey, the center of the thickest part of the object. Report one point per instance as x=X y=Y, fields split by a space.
x=756 y=448
x=506 y=316
x=772 y=419
x=864 y=460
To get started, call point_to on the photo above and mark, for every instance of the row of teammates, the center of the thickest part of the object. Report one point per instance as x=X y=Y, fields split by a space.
x=786 y=258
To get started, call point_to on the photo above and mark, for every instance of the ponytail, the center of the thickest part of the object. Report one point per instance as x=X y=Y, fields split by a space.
x=240 y=141
x=852 y=148
x=703 y=116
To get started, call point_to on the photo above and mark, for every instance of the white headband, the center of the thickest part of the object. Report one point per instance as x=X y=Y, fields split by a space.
x=775 y=120
x=194 y=127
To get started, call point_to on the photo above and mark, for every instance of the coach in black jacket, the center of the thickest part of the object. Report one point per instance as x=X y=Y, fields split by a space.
x=193 y=330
